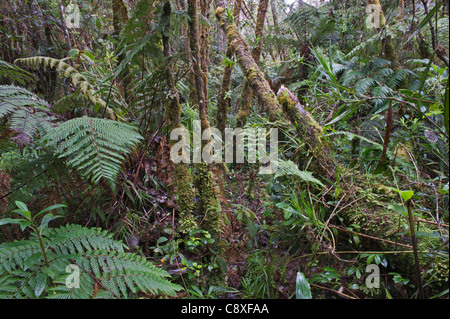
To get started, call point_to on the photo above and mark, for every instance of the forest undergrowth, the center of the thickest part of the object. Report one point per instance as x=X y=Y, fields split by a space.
x=93 y=204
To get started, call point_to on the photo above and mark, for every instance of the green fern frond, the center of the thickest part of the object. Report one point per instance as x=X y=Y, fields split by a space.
x=29 y=113
x=68 y=71
x=397 y=78
x=382 y=92
x=289 y=168
x=13 y=72
x=95 y=147
x=104 y=269
x=383 y=72
x=363 y=85
x=378 y=63
x=351 y=76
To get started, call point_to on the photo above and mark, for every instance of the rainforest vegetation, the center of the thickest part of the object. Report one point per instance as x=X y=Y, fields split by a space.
x=354 y=95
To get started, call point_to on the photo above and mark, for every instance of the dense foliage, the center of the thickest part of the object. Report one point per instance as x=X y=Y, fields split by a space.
x=90 y=92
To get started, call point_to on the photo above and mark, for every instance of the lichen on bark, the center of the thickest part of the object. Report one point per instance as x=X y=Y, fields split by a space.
x=183 y=179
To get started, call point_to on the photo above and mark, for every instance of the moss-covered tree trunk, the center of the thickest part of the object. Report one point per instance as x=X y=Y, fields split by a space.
x=389 y=51
x=285 y=107
x=377 y=223
x=208 y=195
x=204 y=29
x=120 y=18
x=250 y=68
x=184 y=181
x=247 y=95
x=223 y=101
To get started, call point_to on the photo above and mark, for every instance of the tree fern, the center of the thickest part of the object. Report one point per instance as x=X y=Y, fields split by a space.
x=95 y=147
x=363 y=85
x=78 y=80
x=105 y=270
x=73 y=261
x=28 y=113
x=290 y=168
x=13 y=72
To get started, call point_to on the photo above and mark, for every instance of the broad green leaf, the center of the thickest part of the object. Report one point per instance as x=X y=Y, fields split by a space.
x=24 y=224
x=21 y=206
x=74 y=52
x=50 y=208
x=22 y=210
x=303 y=289
x=46 y=219
x=89 y=56
x=399 y=209
x=407 y=195
x=6 y=221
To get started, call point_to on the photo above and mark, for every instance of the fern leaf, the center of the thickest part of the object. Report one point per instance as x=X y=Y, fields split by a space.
x=397 y=78
x=68 y=71
x=103 y=273
x=95 y=147
x=29 y=113
x=363 y=85
x=15 y=73
x=290 y=168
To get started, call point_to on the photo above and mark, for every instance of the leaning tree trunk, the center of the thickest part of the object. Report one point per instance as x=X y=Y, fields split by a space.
x=247 y=94
x=379 y=225
x=309 y=130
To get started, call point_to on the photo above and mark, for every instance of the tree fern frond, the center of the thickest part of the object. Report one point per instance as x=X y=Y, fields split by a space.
x=15 y=73
x=383 y=72
x=363 y=85
x=382 y=92
x=351 y=76
x=104 y=270
x=397 y=78
x=290 y=168
x=68 y=71
x=95 y=147
x=378 y=63
x=29 y=113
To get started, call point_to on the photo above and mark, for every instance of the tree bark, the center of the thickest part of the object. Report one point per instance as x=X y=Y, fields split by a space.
x=247 y=95
x=377 y=223
x=194 y=45
x=120 y=18
x=64 y=26
x=184 y=182
x=208 y=194
x=389 y=49
x=285 y=106
x=311 y=133
x=223 y=101
x=204 y=44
